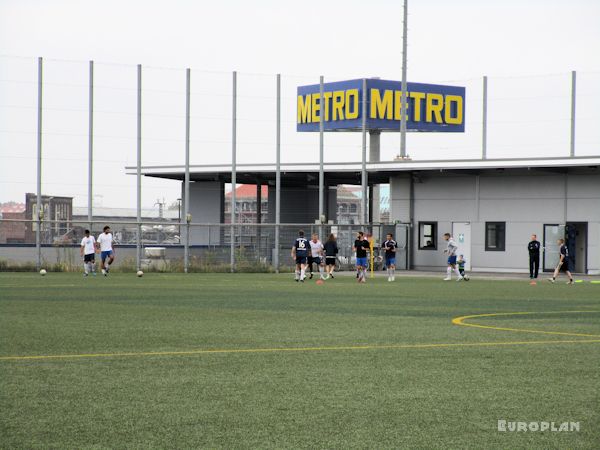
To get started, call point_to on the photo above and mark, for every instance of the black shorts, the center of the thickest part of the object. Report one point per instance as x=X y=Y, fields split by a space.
x=330 y=260
x=89 y=258
x=301 y=259
x=567 y=265
x=314 y=259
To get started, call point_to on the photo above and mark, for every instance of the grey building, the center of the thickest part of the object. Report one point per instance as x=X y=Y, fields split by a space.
x=491 y=206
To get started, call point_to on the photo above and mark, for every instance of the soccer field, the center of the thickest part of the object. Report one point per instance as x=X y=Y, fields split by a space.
x=259 y=361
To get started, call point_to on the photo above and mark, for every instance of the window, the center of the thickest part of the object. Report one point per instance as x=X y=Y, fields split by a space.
x=427 y=235
x=495 y=233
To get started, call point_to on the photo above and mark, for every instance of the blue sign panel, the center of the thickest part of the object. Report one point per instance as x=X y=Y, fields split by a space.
x=430 y=107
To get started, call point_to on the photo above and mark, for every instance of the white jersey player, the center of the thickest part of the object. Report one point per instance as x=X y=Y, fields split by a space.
x=88 y=253
x=107 y=254
x=316 y=255
x=451 y=250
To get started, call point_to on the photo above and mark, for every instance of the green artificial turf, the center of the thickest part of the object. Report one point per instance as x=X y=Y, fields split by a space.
x=393 y=393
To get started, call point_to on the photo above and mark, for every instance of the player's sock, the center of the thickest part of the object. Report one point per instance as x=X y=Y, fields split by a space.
x=297 y=277
x=321 y=272
x=393 y=274
x=85 y=268
x=449 y=271
x=302 y=274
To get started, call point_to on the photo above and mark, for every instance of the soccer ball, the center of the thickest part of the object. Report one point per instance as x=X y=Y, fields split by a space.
x=43 y=272
x=140 y=273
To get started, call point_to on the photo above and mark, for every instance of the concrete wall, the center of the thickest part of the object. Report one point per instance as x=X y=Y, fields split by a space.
x=206 y=206
x=301 y=204
x=525 y=201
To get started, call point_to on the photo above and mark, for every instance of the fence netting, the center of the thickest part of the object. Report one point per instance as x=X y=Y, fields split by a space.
x=162 y=245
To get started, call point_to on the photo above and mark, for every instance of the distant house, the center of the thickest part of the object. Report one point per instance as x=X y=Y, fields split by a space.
x=12 y=232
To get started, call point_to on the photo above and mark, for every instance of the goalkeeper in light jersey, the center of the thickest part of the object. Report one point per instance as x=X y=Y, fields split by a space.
x=451 y=251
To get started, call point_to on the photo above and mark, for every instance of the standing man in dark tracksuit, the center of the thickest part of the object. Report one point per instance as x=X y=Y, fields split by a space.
x=534 y=256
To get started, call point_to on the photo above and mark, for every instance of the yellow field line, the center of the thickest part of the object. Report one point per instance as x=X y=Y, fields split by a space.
x=295 y=349
x=461 y=321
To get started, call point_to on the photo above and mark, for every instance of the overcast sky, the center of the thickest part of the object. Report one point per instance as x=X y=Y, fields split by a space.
x=527 y=48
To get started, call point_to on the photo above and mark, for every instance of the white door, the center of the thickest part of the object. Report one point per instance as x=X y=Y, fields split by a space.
x=461 y=231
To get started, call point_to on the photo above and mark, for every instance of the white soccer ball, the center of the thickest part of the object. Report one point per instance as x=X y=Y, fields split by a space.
x=140 y=273
x=43 y=272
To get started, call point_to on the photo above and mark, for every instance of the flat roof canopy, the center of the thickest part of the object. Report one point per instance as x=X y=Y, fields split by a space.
x=301 y=174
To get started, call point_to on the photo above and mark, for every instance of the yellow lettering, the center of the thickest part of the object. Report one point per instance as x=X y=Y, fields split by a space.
x=326 y=98
x=304 y=115
x=417 y=97
x=338 y=105
x=351 y=104
x=458 y=100
x=381 y=108
x=398 y=104
x=316 y=107
x=434 y=105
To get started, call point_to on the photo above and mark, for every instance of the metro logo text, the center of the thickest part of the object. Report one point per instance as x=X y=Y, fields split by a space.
x=428 y=107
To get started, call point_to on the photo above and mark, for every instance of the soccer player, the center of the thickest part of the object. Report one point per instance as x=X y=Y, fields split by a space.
x=300 y=254
x=534 y=256
x=331 y=251
x=451 y=251
x=390 y=246
x=88 y=253
x=105 y=242
x=564 y=262
x=316 y=255
x=460 y=262
x=360 y=247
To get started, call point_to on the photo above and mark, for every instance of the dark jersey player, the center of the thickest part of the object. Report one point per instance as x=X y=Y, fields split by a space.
x=361 y=245
x=534 y=256
x=390 y=246
x=564 y=262
x=300 y=255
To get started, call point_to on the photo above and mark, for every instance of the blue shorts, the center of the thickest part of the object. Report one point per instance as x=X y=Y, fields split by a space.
x=301 y=259
x=106 y=254
x=452 y=260
x=361 y=261
x=391 y=261
x=314 y=259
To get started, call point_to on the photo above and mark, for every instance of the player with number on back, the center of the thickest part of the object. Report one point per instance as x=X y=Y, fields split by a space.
x=361 y=245
x=390 y=246
x=300 y=255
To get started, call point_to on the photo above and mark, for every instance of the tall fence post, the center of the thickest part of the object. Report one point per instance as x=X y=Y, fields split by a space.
x=40 y=212
x=91 y=146
x=484 y=119
x=277 y=175
x=404 y=88
x=233 y=169
x=573 y=101
x=364 y=182
x=186 y=189
x=321 y=148
x=138 y=253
